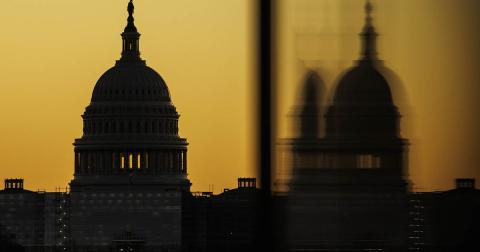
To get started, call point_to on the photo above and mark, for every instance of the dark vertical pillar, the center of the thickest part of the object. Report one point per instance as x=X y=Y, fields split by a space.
x=180 y=161
x=77 y=161
x=107 y=162
x=177 y=162
x=265 y=118
x=134 y=161
x=100 y=162
x=169 y=162
x=83 y=162
x=114 y=157
x=143 y=160
x=185 y=161
x=159 y=158
x=159 y=161
x=89 y=162
x=151 y=162
x=174 y=162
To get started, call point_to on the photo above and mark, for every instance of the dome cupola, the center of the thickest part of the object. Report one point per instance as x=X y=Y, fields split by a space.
x=130 y=81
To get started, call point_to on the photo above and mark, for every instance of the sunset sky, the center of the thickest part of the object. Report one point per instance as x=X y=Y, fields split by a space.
x=53 y=52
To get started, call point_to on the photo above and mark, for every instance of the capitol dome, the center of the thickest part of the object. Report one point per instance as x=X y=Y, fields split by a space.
x=363 y=84
x=130 y=81
x=131 y=125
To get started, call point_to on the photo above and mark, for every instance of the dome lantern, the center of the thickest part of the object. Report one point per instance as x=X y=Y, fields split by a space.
x=369 y=36
x=130 y=37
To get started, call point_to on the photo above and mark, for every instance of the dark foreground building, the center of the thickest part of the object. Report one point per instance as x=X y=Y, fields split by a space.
x=436 y=222
x=446 y=221
x=38 y=221
x=223 y=222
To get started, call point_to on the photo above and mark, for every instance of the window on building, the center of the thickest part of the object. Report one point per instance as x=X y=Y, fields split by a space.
x=368 y=161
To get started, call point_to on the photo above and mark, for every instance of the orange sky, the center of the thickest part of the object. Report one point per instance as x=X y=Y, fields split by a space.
x=54 y=51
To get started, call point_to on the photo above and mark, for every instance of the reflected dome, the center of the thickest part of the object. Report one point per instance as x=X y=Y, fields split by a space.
x=363 y=84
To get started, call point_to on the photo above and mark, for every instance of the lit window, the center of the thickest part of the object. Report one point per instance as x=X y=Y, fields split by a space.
x=122 y=161
x=368 y=161
x=130 y=161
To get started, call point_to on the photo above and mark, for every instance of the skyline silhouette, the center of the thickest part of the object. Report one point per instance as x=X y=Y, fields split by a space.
x=48 y=128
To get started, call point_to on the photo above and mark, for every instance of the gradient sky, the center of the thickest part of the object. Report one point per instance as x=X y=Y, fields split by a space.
x=54 y=51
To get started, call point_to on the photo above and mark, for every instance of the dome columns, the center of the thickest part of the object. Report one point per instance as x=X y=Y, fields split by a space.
x=92 y=162
x=134 y=126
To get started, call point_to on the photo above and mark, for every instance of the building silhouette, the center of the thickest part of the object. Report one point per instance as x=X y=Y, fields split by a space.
x=224 y=222
x=130 y=163
x=445 y=220
x=35 y=220
x=348 y=190
x=130 y=192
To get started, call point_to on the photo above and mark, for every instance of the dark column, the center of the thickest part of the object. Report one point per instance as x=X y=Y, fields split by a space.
x=143 y=161
x=134 y=161
x=162 y=162
x=266 y=73
x=180 y=161
x=83 y=162
x=167 y=162
x=107 y=161
x=151 y=161
x=170 y=161
x=185 y=161
x=88 y=166
x=175 y=159
x=158 y=162
x=77 y=161
x=114 y=158
x=147 y=161
x=98 y=162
